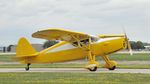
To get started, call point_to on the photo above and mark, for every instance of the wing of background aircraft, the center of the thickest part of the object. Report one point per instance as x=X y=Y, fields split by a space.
x=60 y=34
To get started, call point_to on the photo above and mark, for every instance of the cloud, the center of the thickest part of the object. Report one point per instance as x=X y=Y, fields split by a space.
x=23 y=17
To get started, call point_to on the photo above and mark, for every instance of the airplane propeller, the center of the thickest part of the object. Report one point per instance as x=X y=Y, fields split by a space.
x=128 y=44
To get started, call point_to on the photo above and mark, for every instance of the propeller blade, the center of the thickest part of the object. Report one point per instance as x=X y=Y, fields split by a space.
x=129 y=48
x=128 y=43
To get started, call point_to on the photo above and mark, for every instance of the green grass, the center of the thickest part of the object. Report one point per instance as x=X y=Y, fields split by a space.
x=6 y=58
x=43 y=65
x=134 y=57
x=73 y=78
x=119 y=57
x=127 y=57
x=134 y=66
x=76 y=78
x=122 y=66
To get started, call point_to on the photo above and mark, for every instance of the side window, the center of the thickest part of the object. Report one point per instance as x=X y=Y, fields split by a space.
x=86 y=41
x=75 y=44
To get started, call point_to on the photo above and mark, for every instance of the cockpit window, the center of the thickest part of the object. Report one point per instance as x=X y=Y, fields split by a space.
x=94 y=39
x=86 y=41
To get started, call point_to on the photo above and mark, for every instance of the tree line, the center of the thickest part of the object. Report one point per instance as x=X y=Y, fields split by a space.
x=136 y=45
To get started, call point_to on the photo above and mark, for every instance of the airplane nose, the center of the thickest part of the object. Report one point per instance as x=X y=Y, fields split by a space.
x=124 y=44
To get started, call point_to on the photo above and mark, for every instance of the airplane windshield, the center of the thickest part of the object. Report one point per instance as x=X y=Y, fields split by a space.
x=94 y=39
x=86 y=41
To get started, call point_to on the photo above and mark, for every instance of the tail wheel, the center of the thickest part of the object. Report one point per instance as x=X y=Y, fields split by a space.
x=92 y=69
x=27 y=68
x=113 y=68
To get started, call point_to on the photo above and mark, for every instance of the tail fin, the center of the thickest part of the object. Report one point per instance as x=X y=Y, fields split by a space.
x=24 y=50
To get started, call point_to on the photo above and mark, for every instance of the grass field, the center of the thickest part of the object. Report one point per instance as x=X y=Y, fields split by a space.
x=117 y=57
x=73 y=78
x=76 y=78
x=121 y=66
x=6 y=58
x=134 y=57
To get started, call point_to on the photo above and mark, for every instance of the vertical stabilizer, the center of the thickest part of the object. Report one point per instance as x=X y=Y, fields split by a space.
x=24 y=49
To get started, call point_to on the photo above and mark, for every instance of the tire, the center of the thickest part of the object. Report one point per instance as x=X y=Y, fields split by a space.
x=92 y=70
x=113 y=68
x=27 y=68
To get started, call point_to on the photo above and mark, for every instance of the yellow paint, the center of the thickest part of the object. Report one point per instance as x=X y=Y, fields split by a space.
x=27 y=54
x=25 y=49
x=110 y=35
x=59 y=34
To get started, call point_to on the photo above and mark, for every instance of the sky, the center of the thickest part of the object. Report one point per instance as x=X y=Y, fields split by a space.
x=21 y=18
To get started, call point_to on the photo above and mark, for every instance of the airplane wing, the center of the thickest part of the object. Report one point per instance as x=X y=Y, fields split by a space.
x=111 y=35
x=60 y=34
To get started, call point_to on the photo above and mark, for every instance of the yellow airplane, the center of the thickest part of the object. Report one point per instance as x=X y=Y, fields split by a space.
x=72 y=46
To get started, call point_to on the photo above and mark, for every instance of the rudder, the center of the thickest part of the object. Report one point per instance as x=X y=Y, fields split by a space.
x=24 y=49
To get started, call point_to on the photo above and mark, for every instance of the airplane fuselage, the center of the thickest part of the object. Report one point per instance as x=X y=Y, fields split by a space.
x=64 y=51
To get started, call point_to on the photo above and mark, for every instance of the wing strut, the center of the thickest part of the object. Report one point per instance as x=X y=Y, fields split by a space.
x=92 y=64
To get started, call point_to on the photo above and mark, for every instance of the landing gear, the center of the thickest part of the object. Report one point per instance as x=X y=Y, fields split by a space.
x=92 y=66
x=111 y=65
x=27 y=68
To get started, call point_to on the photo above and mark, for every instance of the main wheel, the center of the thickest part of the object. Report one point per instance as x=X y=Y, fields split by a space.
x=113 y=68
x=92 y=69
